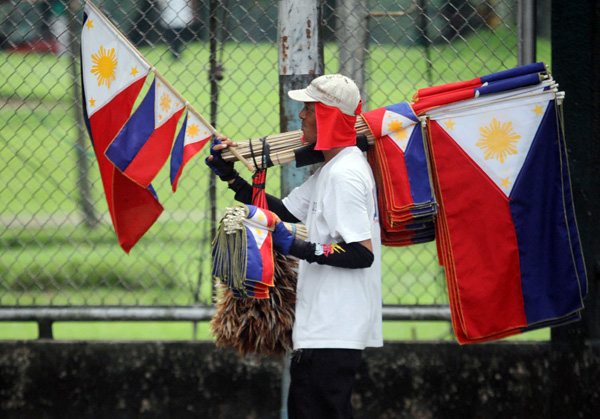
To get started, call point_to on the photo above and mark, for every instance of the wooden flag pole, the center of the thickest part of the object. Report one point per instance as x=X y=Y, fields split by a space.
x=157 y=74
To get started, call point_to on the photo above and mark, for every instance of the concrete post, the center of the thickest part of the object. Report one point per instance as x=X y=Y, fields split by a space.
x=300 y=60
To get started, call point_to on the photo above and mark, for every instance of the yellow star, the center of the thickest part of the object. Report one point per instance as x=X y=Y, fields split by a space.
x=158 y=84
x=90 y=24
x=538 y=110
x=92 y=102
x=505 y=182
x=159 y=116
x=450 y=124
x=134 y=71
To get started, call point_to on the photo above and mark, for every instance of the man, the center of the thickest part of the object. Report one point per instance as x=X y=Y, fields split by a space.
x=338 y=307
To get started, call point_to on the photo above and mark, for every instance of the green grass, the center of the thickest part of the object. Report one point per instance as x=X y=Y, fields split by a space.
x=392 y=330
x=110 y=330
x=48 y=257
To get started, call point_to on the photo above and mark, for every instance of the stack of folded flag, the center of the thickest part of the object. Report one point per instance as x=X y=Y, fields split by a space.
x=506 y=230
x=399 y=162
x=243 y=251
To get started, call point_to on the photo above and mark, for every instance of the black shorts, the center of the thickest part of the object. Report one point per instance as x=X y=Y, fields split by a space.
x=321 y=383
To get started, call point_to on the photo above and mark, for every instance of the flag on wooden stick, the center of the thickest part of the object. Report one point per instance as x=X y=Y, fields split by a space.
x=113 y=74
x=132 y=149
x=192 y=137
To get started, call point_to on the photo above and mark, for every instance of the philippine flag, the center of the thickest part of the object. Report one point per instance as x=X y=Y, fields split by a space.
x=143 y=145
x=505 y=226
x=193 y=135
x=112 y=76
x=259 y=224
x=400 y=166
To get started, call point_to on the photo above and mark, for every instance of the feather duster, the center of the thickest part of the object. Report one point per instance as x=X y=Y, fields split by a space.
x=258 y=326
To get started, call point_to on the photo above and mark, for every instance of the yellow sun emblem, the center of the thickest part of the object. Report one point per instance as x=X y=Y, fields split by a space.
x=105 y=65
x=165 y=102
x=396 y=130
x=192 y=130
x=498 y=140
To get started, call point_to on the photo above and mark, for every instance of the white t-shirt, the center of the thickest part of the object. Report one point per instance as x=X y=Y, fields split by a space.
x=338 y=307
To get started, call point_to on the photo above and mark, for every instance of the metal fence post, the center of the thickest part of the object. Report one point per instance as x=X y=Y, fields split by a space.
x=45 y=329
x=526 y=29
x=300 y=52
x=83 y=184
x=423 y=39
x=352 y=36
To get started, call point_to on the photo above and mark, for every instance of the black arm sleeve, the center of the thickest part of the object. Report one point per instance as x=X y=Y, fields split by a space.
x=341 y=255
x=243 y=194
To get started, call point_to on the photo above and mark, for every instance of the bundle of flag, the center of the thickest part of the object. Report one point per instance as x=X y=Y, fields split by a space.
x=243 y=251
x=431 y=97
x=406 y=203
x=131 y=150
x=506 y=230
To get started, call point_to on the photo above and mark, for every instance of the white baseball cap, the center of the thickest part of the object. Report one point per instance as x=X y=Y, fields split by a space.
x=332 y=90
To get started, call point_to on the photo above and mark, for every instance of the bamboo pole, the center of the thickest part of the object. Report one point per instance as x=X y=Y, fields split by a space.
x=282 y=145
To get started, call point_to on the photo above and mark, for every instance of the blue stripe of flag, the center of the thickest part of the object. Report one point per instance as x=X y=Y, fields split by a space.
x=134 y=134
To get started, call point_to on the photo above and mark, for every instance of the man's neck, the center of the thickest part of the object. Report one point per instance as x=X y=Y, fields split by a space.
x=330 y=154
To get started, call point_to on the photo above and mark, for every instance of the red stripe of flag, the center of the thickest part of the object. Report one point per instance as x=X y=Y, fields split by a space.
x=133 y=213
x=487 y=275
x=154 y=153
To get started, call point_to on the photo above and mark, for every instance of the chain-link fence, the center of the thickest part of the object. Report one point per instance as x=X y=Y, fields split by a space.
x=57 y=244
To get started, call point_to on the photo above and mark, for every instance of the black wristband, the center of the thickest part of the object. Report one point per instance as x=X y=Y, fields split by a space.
x=341 y=255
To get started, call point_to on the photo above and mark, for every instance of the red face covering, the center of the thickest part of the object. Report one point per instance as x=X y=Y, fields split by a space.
x=335 y=128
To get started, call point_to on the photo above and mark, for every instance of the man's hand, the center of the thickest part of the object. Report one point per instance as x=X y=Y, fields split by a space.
x=220 y=167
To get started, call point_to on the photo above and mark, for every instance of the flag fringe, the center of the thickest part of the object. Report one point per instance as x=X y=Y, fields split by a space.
x=230 y=249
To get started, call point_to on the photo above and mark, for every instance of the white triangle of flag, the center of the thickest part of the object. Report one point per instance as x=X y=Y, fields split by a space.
x=109 y=63
x=166 y=103
x=397 y=127
x=497 y=137
x=257 y=224
x=195 y=131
